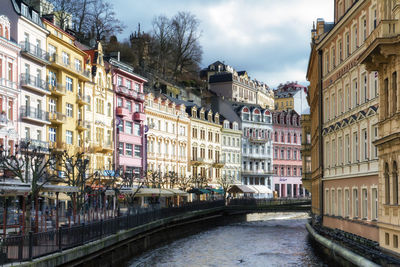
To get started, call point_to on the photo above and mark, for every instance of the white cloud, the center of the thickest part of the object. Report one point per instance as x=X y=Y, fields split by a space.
x=268 y=38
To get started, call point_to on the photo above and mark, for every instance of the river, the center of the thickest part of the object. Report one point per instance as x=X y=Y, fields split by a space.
x=264 y=239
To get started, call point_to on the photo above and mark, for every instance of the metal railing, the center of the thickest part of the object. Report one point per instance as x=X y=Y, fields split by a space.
x=27 y=79
x=34 y=50
x=56 y=87
x=34 y=113
x=34 y=245
x=66 y=62
x=35 y=144
x=57 y=116
x=269 y=201
x=8 y=83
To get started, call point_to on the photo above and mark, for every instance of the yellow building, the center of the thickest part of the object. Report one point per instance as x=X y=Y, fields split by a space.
x=306 y=151
x=96 y=122
x=67 y=75
x=205 y=143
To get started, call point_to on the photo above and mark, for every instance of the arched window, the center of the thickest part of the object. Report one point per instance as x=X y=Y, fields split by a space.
x=276 y=136
x=1 y=30
x=395 y=184
x=288 y=138
x=282 y=137
x=387 y=184
x=6 y=36
x=294 y=138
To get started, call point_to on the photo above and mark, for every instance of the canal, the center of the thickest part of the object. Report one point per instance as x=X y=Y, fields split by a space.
x=262 y=239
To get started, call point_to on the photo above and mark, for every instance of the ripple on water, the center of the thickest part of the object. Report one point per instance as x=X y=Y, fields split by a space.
x=265 y=240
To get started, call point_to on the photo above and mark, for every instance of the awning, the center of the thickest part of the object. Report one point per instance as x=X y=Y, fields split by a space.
x=261 y=189
x=61 y=196
x=178 y=192
x=145 y=192
x=218 y=191
x=199 y=191
x=59 y=188
x=241 y=189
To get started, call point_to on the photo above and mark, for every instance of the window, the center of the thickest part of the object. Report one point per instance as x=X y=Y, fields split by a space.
x=27 y=133
x=355 y=203
x=119 y=102
x=24 y=10
x=129 y=105
x=365 y=144
x=374 y=199
x=395 y=181
x=69 y=111
x=128 y=127
x=364 y=28
x=121 y=148
x=68 y=84
x=327 y=201
x=78 y=65
x=387 y=241
x=99 y=106
x=119 y=81
x=109 y=111
x=364 y=209
x=138 y=151
x=288 y=153
x=347 y=147
x=137 y=129
x=333 y=202
x=68 y=136
x=65 y=58
x=346 y=202
x=128 y=149
x=395 y=241
x=137 y=87
x=355 y=147
x=339 y=202
x=137 y=107
x=387 y=184
x=355 y=95
x=347 y=44
x=10 y=71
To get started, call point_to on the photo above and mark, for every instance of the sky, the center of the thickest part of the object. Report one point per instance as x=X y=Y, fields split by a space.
x=270 y=39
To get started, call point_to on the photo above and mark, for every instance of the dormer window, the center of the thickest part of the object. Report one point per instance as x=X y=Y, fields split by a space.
x=226 y=124
x=216 y=117
x=209 y=116
x=235 y=126
x=24 y=10
x=194 y=113
x=35 y=17
x=202 y=114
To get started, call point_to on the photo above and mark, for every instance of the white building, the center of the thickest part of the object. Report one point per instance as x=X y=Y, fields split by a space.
x=257 y=147
x=31 y=35
x=231 y=148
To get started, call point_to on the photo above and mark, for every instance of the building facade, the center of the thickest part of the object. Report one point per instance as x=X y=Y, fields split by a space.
x=31 y=36
x=344 y=124
x=381 y=55
x=96 y=112
x=129 y=118
x=67 y=75
x=292 y=96
x=168 y=136
x=205 y=143
x=305 y=122
x=287 y=154
x=256 y=145
x=9 y=93
x=237 y=86
x=231 y=147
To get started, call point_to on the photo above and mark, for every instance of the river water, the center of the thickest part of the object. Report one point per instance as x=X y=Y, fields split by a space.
x=264 y=239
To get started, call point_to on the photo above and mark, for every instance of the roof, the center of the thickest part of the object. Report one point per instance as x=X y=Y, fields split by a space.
x=243 y=189
x=221 y=77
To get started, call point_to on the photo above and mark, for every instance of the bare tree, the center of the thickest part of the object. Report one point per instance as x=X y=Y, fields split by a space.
x=184 y=182
x=225 y=181
x=185 y=38
x=103 y=20
x=63 y=10
x=75 y=168
x=133 y=184
x=33 y=166
x=162 y=36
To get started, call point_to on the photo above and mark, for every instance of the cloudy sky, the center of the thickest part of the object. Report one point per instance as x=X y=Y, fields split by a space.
x=268 y=38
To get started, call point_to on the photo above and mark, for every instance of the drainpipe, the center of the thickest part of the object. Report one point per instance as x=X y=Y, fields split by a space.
x=320 y=117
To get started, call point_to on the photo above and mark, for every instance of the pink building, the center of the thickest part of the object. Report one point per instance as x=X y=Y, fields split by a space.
x=9 y=93
x=130 y=142
x=287 y=159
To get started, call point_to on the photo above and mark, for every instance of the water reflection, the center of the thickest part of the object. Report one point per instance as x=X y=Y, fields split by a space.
x=277 y=239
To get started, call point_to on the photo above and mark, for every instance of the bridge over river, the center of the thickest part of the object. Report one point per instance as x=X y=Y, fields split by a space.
x=110 y=242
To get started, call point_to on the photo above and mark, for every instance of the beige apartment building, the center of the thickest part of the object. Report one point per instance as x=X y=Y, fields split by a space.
x=348 y=99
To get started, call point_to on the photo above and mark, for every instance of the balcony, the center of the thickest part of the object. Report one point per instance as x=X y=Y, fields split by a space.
x=39 y=145
x=3 y=120
x=34 y=83
x=34 y=115
x=57 y=89
x=257 y=172
x=83 y=99
x=34 y=52
x=57 y=117
x=120 y=89
x=57 y=146
x=65 y=63
x=257 y=139
x=102 y=147
x=83 y=125
x=305 y=147
x=219 y=163
x=139 y=116
x=120 y=111
x=8 y=84
x=197 y=161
